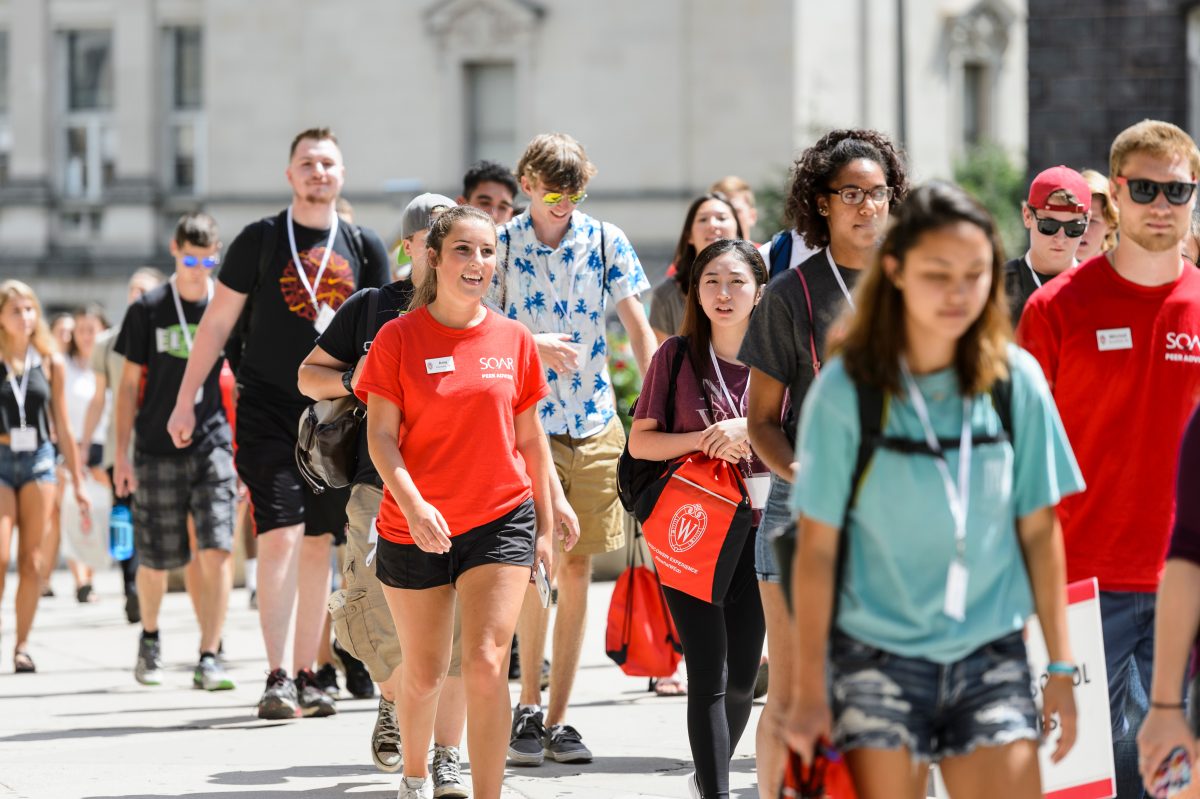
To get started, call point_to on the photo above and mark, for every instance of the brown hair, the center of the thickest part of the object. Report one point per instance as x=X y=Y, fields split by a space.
x=1108 y=211
x=427 y=291
x=696 y=325
x=41 y=339
x=731 y=185
x=196 y=228
x=558 y=161
x=1155 y=138
x=317 y=134
x=685 y=251
x=875 y=339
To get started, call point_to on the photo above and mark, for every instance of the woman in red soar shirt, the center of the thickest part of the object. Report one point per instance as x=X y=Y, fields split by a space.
x=466 y=506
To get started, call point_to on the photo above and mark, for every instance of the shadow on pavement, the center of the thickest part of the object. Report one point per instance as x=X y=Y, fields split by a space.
x=280 y=776
x=241 y=721
x=355 y=788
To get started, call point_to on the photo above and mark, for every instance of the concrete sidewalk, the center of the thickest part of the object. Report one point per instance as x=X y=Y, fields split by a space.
x=82 y=727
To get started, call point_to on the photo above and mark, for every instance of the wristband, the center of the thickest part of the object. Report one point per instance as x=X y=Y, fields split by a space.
x=1169 y=705
x=348 y=380
x=1062 y=668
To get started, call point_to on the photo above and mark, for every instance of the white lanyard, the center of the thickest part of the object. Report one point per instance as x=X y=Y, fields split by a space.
x=1032 y=271
x=736 y=407
x=183 y=325
x=838 y=276
x=19 y=391
x=957 y=497
x=312 y=293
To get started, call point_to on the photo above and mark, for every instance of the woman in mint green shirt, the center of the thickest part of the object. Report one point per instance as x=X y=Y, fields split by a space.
x=951 y=538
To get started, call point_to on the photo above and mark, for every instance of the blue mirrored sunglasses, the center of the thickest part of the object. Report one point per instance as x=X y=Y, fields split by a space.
x=209 y=262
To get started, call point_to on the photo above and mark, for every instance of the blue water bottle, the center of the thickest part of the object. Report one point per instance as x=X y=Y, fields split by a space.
x=120 y=533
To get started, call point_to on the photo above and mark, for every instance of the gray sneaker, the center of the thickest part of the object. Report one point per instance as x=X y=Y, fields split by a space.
x=279 y=699
x=415 y=788
x=148 y=670
x=447 y=775
x=525 y=739
x=564 y=744
x=385 y=739
x=211 y=675
x=312 y=698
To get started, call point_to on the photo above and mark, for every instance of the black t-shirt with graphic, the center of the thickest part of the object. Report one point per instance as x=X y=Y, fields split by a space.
x=344 y=340
x=151 y=338
x=280 y=327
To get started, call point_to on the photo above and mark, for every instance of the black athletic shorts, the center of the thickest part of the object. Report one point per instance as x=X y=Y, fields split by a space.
x=507 y=540
x=266 y=463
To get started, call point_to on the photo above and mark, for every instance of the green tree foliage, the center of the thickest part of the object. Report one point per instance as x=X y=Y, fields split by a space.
x=989 y=174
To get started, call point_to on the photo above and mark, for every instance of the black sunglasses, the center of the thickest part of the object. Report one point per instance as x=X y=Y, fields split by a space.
x=1143 y=191
x=1074 y=228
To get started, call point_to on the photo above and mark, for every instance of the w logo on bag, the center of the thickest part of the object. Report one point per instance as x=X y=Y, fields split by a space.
x=687 y=526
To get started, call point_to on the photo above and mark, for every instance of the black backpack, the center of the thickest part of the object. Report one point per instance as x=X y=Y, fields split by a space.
x=872 y=412
x=635 y=475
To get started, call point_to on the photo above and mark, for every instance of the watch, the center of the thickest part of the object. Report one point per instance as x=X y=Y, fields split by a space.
x=347 y=380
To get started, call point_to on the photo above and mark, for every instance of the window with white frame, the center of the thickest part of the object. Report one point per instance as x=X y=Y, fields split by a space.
x=88 y=139
x=491 y=97
x=183 y=57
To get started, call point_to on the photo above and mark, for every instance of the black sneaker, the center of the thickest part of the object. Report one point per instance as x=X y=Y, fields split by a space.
x=312 y=700
x=563 y=743
x=358 y=679
x=279 y=700
x=525 y=741
x=327 y=679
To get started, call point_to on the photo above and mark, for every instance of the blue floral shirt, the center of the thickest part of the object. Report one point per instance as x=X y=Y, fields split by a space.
x=566 y=290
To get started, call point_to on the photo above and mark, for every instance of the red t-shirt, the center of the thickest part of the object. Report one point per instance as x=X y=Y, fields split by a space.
x=459 y=392
x=1123 y=361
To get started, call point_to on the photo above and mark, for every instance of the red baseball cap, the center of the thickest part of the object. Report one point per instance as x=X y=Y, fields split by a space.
x=1060 y=178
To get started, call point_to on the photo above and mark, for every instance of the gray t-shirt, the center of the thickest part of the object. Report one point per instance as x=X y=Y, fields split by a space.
x=777 y=342
x=666 y=307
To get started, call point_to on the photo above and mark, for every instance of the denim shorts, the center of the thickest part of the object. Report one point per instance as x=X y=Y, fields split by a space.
x=776 y=516
x=886 y=701
x=19 y=468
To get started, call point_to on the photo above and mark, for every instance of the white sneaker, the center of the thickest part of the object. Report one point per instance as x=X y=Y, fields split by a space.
x=415 y=788
x=447 y=774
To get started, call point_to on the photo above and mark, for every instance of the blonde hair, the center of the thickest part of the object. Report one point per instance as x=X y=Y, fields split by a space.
x=1108 y=211
x=731 y=186
x=41 y=339
x=558 y=161
x=426 y=293
x=1156 y=138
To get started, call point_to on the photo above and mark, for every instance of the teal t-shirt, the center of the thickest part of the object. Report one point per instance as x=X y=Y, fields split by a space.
x=901 y=530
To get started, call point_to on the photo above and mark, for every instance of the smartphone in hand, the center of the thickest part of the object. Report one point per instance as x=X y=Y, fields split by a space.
x=542 y=581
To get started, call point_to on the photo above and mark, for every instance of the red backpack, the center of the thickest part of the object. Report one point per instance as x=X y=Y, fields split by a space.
x=641 y=636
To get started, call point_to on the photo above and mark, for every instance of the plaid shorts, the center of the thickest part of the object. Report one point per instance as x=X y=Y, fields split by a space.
x=200 y=482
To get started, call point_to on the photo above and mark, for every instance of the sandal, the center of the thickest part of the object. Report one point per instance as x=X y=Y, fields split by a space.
x=22 y=663
x=675 y=685
x=85 y=594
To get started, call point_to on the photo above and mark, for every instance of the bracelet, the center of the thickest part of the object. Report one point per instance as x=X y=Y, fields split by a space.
x=348 y=380
x=1169 y=705
x=1062 y=668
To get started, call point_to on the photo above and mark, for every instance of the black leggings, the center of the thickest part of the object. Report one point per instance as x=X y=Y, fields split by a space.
x=722 y=646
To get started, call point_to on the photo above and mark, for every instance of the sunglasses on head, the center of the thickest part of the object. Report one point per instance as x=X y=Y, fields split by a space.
x=1143 y=191
x=209 y=262
x=1074 y=228
x=555 y=197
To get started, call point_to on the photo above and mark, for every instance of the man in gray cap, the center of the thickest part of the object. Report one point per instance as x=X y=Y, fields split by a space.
x=360 y=613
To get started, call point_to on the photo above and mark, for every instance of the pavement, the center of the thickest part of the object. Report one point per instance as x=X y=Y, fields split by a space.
x=82 y=728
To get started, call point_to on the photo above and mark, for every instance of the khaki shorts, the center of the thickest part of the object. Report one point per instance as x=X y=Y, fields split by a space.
x=362 y=622
x=587 y=468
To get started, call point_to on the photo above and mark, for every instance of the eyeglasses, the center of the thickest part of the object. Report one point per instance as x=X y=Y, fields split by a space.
x=1074 y=228
x=1143 y=191
x=853 y=195
x=209 y=262
x=555 y=197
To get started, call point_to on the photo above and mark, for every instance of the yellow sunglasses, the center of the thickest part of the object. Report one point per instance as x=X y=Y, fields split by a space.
x=555 y=197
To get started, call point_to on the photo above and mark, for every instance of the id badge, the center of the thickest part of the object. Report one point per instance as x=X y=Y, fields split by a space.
x=24 y=439
x=325 y=315
x=434 y=366
x=758 y=487
x=956 y=591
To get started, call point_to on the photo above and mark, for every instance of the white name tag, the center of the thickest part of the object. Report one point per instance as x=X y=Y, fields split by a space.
x=435 y=366
x=23 y=439
x=758 y=487
x=1116 y=338
x=956 y=591
x=325 y=315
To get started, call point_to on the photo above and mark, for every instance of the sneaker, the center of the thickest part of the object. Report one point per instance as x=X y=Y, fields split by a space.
x=313 y=701
x=279 y=700
x=211 y=675
x=447 y=776
x=563 y=743
x=148 y=670
x=133 y=608
x=385 y=739
x=358 y=679
x=327 y=680
x=525 y=741
x=414 y=788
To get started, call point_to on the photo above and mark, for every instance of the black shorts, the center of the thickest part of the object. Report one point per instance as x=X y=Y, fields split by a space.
x=266 y=463
x=508 y=540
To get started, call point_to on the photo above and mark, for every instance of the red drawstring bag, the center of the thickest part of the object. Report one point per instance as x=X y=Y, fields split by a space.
x=827 y=777
x=696 y=519
x=641 y=636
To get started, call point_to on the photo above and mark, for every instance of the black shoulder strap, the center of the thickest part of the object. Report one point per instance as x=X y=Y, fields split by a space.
x=1002 y=402
x=367 y=327
x=781 y=252
x=676 y=363
x=360 y=251
x=604 y=272
x=872 y=408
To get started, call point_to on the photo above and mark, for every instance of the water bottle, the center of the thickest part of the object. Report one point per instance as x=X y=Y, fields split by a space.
x=120 y=533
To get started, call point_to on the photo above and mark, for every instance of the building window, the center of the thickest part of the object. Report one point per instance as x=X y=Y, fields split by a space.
x=88 y=138
x=491 y=95
x=184 y=57
x=976 y=104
